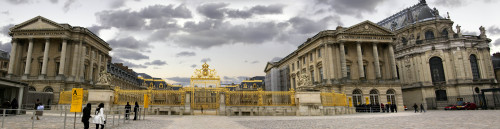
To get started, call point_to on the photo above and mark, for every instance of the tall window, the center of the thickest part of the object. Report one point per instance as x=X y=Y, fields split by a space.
x=474 y=67
x=364 y=69
x=429 y=35
x=391 y=96
x=319 y=52
x=356 y=97
x=441 y=95
x=304 y=60
x=320 y=74
x=444 y=33
x=311 y=56
x=57 y=68
x=293 y=66
x=312 y=75
x=374 y=97
x=345 y=50
x=348 y=69
x=437 y=71
x=85 y=71
x=298 y=65
x=404 y=40
x=40 y=64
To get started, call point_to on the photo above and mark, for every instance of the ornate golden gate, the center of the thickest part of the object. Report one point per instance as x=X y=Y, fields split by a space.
x=206 y=98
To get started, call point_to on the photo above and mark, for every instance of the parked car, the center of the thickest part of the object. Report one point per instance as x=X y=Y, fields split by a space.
x=467 y=106
x=450 y=107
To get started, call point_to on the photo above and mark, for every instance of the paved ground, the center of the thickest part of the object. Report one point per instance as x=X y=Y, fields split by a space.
x=478 y=119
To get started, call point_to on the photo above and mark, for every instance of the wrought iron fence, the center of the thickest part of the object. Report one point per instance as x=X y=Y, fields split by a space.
x=65 y=97
x=156 y=97
x=260 y=98
x=333 y=99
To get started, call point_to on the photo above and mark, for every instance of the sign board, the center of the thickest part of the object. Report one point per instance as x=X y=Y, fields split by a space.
x=76 y=99
x=146 y=101
x=350 y=102
x=367 y=100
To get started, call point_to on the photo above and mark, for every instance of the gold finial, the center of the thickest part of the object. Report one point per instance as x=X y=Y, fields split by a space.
x=205 y=65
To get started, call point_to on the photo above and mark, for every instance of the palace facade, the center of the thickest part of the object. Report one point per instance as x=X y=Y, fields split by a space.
x=438 y=65
x=51 y=57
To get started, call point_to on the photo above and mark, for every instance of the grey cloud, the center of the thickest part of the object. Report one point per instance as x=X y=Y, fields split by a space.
x=193 y=66
x=54 y=1
x=305 y=26
x=469 y=33
x=129 y=43
x=127 y=63
x=129 y=54
x=206 y=60
x=5 y=46
x=181 y=80
x=351 y=7
x=235 y=80
x=135 y=20
x=160 y=34
x=156 y=62
x=5 y=29
x=253 y=62
x=449 y=3
x=5 y=12
x=67 y=4
x=185 y=54
x=219 y=11
x=19 y=1
x=494 y=30
x=96 y=28
x=212 y=33
x=117 y=3
x=212 y=10
x=496 y=43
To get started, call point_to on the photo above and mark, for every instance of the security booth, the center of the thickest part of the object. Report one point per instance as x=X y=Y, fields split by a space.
x=490 y=98
x=11 y=94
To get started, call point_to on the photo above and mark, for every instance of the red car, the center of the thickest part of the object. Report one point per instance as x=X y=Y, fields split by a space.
x=450 y=107
x=467 y=106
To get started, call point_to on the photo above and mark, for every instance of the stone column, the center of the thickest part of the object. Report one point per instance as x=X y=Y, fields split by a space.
x=360 y=60
x=20 y=98
x=376 y=62
x=392 y=61
x=12 y=57
x=83 y=54
x=62 y=61
x=91 y=67
x=74 y=66
x=45 y=59
x=99 y=62
x=343 y=66
x=27 y=68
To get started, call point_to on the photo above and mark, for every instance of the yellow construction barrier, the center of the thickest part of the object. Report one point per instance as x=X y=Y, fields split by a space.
x=65 y=97
x=333 y=99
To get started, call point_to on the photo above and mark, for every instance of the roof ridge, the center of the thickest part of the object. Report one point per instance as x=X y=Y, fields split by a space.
x=402 y=11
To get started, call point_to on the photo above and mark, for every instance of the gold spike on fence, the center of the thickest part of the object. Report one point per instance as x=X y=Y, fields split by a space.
x=65 y=97
x=260 y=98
x=333 y=99
x=156 y=97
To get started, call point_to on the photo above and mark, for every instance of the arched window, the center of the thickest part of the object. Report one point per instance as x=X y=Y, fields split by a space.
x=404 y=40
x=474 y=67
x=391 y=96
x=444 y=33
x=429 y=35
x=356 y=96
x=48 y=89
x=161 y=85
x=437 y=71
x=31 y=88
x=374 y=97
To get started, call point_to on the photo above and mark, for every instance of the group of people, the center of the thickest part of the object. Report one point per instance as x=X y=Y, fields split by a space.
x=10 y=105
x=99 y=117
x=389 y=108
x=415 y=106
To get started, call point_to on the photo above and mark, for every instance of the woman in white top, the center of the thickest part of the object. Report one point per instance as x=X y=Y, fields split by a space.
x=99 y=118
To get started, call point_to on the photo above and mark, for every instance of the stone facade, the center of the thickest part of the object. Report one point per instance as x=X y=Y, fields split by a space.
x=124 y=77
x=4 y=63
x=60 y=56
x=437 y=64
x=358 y=61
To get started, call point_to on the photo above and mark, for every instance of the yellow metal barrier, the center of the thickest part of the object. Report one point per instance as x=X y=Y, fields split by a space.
x=65 y=97
x=333 y=99
x=260 y=98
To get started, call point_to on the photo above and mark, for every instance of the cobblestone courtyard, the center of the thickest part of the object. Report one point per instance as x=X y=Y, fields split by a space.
x=432 y=119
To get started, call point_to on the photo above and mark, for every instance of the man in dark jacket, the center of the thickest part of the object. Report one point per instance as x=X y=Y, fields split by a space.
x=422 y=108
x=86 y=116
x=382 y=107
x=415 y=107
x=127 y=111
x=395 y=108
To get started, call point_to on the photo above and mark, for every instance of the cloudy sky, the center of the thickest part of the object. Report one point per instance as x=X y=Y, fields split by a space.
x=170 y=38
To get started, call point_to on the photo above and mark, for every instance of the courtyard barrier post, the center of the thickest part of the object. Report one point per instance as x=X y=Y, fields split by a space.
x=3 y=118
x=65 y=114
x=119 y=115
x=33 y=120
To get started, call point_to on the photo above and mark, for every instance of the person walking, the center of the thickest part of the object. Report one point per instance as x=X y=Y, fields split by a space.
x=127 y=111
x=14 y=106
x=37 y=103
x=382 y=107
x=422 y=108
x=136 y=110
x=415 y=107
x=387 y=108
x=99 y=118
x=395 y=108
x=86 y=116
